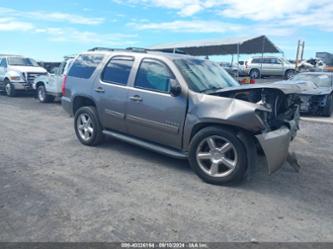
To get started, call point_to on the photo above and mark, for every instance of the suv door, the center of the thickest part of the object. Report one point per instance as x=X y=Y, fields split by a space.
x=152 y=113
x=277 y=66
x=111 y=92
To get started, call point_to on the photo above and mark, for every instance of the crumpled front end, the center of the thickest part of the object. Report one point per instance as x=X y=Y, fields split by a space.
x=280 y=116
x=275 y=144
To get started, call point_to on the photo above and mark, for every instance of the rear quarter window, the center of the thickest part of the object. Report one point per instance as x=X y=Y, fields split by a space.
x=85 y=65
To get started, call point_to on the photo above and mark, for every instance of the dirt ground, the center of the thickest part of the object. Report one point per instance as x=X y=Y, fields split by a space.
x=54 y=189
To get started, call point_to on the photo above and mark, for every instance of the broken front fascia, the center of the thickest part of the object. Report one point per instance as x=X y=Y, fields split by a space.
x=247 y=115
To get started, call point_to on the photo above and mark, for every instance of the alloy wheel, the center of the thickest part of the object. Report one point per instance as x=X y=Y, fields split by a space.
x=85 y=126
x=41 y=94
x=8 y=89
x=217 y=156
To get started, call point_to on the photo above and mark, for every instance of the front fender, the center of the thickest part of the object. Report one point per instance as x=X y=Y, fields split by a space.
x=222 y=111
x=44 y=79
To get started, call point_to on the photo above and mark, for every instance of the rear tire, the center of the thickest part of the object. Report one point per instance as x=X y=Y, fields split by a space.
x=9 y=88
x=218 y=156
x=87 y=126
x=254 y=74
x=329 y=107
x=42 y=96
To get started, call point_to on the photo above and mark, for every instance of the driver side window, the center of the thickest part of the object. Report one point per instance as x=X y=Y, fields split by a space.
x=153 y=75
x=3 y=63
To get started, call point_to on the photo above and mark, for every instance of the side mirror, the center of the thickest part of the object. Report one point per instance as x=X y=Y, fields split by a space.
x=175 y=88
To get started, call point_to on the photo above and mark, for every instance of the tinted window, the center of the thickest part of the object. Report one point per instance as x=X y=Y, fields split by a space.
x=3 y=62
x=257 y=60
x=85 y=65
x=267 y=61
x=118 y=70
x=153 y=75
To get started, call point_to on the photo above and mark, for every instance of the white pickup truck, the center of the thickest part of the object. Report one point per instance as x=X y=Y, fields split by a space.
x=18 y=73
x=48 y=86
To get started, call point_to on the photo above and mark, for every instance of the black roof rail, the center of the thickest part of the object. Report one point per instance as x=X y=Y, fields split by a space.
x=139 y=50
x=102 y=49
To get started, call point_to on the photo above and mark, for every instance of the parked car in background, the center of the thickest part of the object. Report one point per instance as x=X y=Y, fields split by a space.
x=183 y=107
x=317 y=92
x=18 y=73
x=230 y=68
x=49 y=66
x=234 y=69
x=257 y=67
x=48 y=86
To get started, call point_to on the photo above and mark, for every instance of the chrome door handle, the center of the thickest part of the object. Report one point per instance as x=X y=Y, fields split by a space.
x=136 y=98
x=99 y=90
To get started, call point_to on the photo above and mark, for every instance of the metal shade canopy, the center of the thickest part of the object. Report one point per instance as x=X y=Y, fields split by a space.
x=254 y=45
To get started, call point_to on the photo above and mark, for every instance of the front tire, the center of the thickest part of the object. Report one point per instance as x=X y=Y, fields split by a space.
x=42 y=96
x=218 y=156
x=289 y=74
x=9 y=88
x=329 y=106
x=87 y=126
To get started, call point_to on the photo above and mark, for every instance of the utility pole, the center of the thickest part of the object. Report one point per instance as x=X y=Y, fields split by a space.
x=300 y=52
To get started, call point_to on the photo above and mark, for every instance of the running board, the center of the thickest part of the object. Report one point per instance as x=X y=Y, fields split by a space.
x=147 y=145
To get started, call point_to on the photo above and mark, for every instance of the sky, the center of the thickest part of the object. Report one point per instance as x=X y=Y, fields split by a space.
x=49 y=30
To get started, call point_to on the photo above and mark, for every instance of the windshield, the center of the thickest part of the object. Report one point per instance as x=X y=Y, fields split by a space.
x=321 y=80
x=204 y=75
x=20 y=61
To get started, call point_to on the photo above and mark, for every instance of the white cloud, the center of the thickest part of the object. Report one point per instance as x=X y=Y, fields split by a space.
x=65 y=17
x=9 y=24
x=77 y=36
x=281 y=13
x=196 y=26
x=52 y=16
x=203 y=26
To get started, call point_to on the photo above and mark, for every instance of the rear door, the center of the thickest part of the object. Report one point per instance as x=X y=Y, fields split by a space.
x=152 y=113
x=277 y=66
x=111 y=92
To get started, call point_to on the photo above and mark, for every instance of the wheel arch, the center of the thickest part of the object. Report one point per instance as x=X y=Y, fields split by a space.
x=80 y=101
x=39 y=83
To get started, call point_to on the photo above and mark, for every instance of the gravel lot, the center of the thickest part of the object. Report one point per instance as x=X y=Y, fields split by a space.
x=54 y=189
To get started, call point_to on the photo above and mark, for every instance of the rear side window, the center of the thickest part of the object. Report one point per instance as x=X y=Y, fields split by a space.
x=153 y=75
x=85 y=65
x=118 y=70
x=256 y=61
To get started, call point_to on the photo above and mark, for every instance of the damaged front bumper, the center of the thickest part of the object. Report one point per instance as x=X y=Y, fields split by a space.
x=275 y=144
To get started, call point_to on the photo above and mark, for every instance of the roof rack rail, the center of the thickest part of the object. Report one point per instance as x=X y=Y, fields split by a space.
x=102 y=49
x=139 y=50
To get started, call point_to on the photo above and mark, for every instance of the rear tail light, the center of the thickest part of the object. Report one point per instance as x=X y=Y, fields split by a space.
x=63 y=86
x=252 y=81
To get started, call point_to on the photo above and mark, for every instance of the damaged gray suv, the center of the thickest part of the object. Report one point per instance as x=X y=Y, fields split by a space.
x=183 y=107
